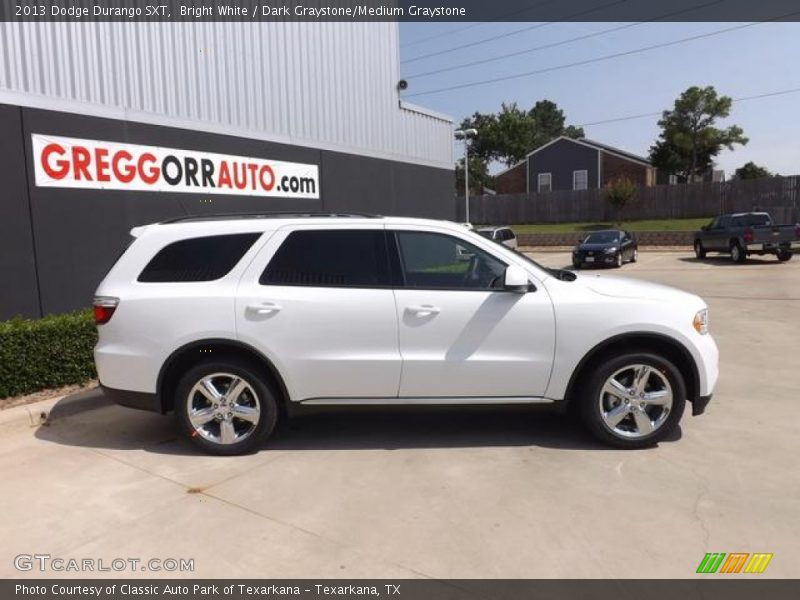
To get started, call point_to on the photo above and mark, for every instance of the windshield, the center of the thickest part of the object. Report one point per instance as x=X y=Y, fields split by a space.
x=602 y=237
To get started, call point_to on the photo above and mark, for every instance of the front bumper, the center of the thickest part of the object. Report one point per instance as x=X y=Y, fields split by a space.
x=598 y=258
x=137 y=400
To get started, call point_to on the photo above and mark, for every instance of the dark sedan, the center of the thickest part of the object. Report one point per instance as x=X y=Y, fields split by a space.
x=610 y=247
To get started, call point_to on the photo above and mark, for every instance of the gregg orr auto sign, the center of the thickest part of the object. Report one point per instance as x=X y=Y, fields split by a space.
x=91 y=164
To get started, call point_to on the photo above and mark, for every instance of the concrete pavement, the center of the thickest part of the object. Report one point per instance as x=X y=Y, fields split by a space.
x=443 y=495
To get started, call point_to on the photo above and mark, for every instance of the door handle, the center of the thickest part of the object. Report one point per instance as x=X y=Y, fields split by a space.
x=265 y=308
x=424 y=310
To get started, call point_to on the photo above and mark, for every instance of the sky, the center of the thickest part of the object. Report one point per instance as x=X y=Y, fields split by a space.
x=753 y=60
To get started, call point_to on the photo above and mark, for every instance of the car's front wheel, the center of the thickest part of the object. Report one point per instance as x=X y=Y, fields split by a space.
x=633 y=400
x=699 y=251
x=225 y=407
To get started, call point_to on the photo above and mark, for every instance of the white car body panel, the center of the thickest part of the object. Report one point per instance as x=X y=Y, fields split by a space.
x=350 y=344
x=325 y=341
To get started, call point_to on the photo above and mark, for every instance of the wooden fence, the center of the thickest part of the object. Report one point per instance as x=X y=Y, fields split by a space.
x=778 y=195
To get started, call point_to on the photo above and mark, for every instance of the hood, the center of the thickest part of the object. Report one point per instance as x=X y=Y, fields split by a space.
x=622 y=287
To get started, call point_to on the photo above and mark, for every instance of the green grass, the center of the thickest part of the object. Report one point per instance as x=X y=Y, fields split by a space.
x=649 y=225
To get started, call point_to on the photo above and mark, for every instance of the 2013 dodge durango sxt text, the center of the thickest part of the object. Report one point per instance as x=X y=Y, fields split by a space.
x=227 y=319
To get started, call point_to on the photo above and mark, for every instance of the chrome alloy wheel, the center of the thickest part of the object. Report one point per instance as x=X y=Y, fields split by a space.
x=223 y=408
x=635 y=401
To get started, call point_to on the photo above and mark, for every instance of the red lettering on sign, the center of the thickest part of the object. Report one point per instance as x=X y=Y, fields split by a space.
x=224 y=175
x=62 y=166
x=252 y=167
x=81 y=159
x=100 y=157
x=151 y=176
x=128 y=171
x=267 y=185
x=239 y=182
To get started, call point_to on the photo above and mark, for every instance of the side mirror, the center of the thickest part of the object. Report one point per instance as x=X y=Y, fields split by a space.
x=580 y=240
x=516 y=280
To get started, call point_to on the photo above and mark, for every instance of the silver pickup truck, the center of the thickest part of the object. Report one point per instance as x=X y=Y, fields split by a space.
x=742 y=234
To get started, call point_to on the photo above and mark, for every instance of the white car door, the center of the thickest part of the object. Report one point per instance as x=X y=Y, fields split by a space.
x=318 y=302
x=459 y=336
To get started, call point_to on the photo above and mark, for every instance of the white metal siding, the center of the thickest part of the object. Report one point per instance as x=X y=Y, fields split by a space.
x=328 y=85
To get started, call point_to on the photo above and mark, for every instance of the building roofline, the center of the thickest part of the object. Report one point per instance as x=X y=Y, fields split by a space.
x=596 y=146
x=425 y=111
x=514 y=166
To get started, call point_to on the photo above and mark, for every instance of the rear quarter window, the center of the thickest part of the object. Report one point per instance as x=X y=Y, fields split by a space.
x=198 y=259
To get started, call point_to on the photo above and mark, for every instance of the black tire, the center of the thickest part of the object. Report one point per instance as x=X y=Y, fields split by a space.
x=618 y=260
x=699 y=251
x=576 y=264
x=635 y=255
x=258 y=395
x=589 y=399
x=784 y=255
x=738 y=254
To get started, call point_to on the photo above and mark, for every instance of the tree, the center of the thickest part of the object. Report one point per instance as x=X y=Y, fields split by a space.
x=620 y=192
x=751 y=170
x=511 y=133
x=689 y=141
x=478 y=176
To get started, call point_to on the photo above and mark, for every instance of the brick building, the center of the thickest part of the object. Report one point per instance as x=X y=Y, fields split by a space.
x=573 y=164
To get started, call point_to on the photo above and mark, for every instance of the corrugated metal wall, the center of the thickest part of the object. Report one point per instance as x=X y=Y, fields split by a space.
x=330 y=85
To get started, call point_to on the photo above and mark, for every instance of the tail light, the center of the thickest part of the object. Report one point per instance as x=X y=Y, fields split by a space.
x=748 y=235
x=104 y=307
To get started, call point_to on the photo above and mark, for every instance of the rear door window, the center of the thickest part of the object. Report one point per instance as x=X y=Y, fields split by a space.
x=198 y=259
x=330 y=258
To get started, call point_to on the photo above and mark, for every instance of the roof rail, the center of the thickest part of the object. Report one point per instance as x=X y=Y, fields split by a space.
x=293 y=214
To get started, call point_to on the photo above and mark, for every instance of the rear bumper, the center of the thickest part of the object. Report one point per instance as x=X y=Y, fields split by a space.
x=699 y=405
x=137 y=400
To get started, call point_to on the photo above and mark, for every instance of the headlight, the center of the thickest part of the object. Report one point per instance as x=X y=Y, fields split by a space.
x=700 y=321
x=611 y=250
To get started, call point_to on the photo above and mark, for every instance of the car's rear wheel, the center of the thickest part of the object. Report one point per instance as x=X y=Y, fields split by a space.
x=738 y=255
x=633 y=400
x=699 y=251
x=225 y=407
x=784 y=255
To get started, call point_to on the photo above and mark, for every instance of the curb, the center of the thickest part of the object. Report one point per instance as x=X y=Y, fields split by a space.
x=44 y=411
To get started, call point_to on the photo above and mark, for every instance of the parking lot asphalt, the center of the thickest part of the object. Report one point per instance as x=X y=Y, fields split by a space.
x=454 y=494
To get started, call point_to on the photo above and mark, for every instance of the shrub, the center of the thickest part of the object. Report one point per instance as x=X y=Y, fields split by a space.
x=621 y=192
x=54 y=351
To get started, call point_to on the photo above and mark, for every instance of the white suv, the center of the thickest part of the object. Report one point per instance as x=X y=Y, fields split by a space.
x=229 y=320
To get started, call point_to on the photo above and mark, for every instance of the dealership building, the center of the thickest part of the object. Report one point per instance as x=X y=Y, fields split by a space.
x=106 y=126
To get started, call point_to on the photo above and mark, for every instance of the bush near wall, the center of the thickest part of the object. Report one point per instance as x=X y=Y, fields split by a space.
x=54 y=351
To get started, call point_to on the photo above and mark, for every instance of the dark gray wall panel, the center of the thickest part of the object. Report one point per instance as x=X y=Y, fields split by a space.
x=78 y=234
x=18 y=288
x=561 y=159
x=424 y=191
x=358 y=183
